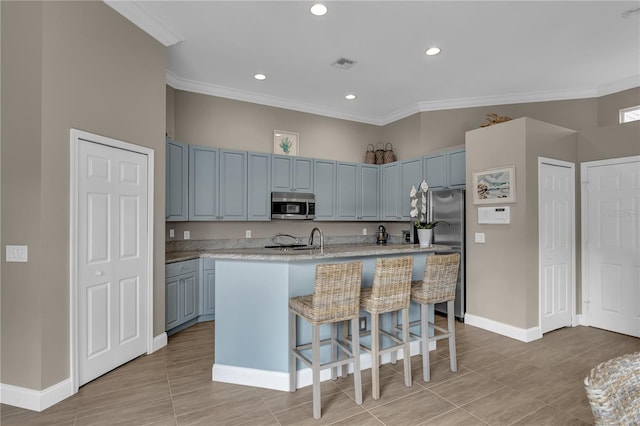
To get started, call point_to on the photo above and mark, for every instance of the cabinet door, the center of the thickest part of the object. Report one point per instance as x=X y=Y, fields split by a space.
x=324 y=184
x=347 y=199
x=457 y=170
x=303 y=175
x=434 y=171
x=189 y=296
x=203 y=183
x=177 y=181
x=369 y=192
x=390 y=191
x=281 y=175
x=259 y=186
x=411 y=174
x=209 y=292
x=233 y=185
x=172 y=302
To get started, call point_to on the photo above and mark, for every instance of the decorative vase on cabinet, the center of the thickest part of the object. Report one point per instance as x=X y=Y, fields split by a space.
x=424 y=237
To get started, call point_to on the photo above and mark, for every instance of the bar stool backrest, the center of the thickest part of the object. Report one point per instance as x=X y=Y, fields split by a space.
x=392 y=283
x=336 y=292
x=440 y=277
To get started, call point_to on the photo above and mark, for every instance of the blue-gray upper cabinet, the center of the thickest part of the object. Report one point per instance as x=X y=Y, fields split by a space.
x=370 y=195
x=445 y=170
x=358 y=192
x=391 y=209
x=291 y=174
x=324 y=188
x=177 y=181
x=410 y=174
x=259 y=186
x=217 y=184
x=397 y=179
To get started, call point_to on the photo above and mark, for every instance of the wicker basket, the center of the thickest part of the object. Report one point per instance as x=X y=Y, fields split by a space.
x=389 y=155
x=380 y=153
x=370 y=155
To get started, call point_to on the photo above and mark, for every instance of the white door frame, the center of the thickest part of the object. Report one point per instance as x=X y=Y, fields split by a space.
x=572 y=166
x=76 y=137
x=584 y=275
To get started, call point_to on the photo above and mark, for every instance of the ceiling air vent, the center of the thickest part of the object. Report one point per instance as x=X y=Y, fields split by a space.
x=343 y=63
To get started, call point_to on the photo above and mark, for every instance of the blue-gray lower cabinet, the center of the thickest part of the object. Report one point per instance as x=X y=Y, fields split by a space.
x=207 y=290
x=181 y=293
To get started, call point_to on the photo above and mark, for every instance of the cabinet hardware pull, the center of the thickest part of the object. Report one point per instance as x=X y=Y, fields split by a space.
x=99 y=273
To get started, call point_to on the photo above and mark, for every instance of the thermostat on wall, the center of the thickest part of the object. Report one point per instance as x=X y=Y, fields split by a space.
x=494 y=215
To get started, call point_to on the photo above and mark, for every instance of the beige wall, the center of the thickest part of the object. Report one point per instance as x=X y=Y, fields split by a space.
x=65 y=65
x=502 y=274
x=609 y=106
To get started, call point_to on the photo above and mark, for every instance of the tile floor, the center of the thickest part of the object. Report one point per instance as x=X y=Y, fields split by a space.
x=500 y=381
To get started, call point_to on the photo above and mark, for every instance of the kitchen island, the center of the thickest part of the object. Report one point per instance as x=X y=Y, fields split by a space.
x=252 y=290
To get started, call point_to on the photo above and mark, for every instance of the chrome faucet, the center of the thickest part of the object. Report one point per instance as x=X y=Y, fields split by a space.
x=321 y=239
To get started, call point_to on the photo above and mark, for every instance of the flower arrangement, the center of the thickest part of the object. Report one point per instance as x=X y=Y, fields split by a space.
x=419 y=207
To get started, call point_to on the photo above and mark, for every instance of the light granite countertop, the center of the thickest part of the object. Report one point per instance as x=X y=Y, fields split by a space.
x=331 y=251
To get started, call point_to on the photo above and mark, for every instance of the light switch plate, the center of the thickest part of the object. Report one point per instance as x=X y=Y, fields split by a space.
x=172 y=233
x=479 y=237
x=247 y=233
x=17 y=254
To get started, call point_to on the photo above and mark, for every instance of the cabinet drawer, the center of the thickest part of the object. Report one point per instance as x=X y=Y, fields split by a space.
x=178 y=268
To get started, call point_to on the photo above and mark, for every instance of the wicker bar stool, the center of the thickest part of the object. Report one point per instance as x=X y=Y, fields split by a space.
x=335 y=298
x=390 y=293
x=613 y=390
x=438 y=285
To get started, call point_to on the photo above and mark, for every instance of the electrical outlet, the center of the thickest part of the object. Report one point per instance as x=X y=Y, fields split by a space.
x=247 y=233
x=172 y=233
x=187 y=235
x=363 y=323
x=479 y=237
x=364 y=231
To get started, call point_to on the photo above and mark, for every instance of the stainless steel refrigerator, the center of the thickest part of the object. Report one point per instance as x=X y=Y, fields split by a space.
x=448 y=205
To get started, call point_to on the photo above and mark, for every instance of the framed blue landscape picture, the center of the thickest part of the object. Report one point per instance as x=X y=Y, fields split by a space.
x=497 y=185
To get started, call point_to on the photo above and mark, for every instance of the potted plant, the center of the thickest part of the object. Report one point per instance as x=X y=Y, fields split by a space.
x=419 y=199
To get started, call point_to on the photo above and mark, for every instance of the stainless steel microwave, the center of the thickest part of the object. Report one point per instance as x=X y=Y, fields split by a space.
x=293 y=205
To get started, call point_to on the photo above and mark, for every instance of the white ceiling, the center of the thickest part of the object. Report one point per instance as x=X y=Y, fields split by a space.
x=493 y=52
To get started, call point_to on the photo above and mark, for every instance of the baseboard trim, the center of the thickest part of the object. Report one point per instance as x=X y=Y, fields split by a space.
x=522 y=334
x=278 y=380
x=159 y=342
x=35 y=400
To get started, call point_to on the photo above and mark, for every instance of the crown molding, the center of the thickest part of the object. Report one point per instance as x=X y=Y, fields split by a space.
x=460 y=103
x=619 y=86
x=139 y=16
x=257 y=98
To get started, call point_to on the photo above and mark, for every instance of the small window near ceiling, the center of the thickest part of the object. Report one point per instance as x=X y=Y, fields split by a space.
x=630 y=114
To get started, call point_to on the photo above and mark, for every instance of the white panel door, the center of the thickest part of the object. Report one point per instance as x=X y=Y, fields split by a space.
x=112 y=258
x=556 y=242
x=611 y=240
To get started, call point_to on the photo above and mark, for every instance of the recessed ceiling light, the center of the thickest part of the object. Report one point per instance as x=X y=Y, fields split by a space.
x=260 y=77
x=432 y=51
x=318 y=9
x=350 y=97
